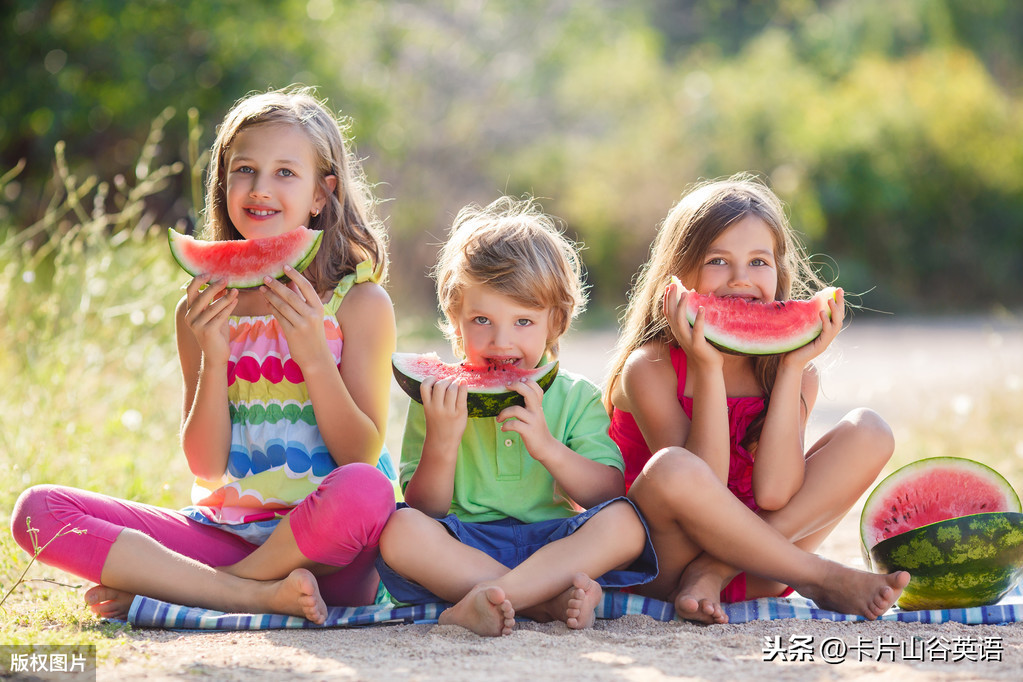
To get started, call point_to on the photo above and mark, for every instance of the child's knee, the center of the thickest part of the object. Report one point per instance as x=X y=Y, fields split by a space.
x=32 y=508
x=360 y=486
x=403 y=527
x=671 y=471
x=349 y=509
x=625 y=526
x=376 y=489
x=873 y=434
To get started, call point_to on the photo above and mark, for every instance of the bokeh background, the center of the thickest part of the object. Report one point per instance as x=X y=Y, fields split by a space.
x=892 y=130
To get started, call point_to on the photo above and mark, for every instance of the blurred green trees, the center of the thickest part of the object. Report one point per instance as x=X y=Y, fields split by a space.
x=892 y=130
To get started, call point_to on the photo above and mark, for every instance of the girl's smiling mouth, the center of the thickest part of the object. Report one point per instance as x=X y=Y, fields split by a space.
x=261 y=212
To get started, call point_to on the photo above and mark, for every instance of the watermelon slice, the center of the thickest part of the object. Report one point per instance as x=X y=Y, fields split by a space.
x=931 y=490
x=954 y=524
x=244 y=262
x=741 y=327
x=488 y=387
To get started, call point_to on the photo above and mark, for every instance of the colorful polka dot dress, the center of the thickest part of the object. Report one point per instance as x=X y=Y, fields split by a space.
x=277 y=455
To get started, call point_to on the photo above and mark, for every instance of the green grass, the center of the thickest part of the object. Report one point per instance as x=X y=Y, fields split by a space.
x=91 y=391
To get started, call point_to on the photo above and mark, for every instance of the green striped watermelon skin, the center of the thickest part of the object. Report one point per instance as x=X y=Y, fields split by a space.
x=243 y=263
x=488 y=393
x=968 y=561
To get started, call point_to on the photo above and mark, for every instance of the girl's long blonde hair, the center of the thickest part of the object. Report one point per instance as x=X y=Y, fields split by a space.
x=351 y=230
x=680 y=247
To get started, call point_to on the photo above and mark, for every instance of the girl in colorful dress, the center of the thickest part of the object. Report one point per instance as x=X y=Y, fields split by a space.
x=280 y=427
x=714 y=443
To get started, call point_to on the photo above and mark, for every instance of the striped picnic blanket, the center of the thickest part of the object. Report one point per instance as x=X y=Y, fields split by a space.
x=152 y=613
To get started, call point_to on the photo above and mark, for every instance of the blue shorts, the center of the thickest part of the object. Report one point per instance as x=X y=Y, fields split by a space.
x=510 y=542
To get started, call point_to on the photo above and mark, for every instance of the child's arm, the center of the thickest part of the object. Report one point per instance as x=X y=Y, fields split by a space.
x=350 y=405
x=584 y=480
x=779 y=465
x=648 y=389
x=201 y=329
x=709 y=432
x=432 y=485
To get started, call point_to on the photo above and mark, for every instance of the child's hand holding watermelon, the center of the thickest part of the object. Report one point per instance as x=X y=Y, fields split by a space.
x=831 y=320
x=689 y=337
x=530 y=423
x=209 y=306
x=447 y=414
x=297 y=308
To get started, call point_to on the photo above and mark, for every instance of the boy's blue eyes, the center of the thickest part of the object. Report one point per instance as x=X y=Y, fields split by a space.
x=522 y=322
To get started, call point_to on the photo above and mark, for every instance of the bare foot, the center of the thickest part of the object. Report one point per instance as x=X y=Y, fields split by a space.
x=848 y=590
x=485 y=610
x=698 y=597
x=106 y=602
x=583 y=598
x=298 y=595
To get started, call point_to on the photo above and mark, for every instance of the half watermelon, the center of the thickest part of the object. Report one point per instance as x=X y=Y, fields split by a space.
x=741 y=327
x=243 y=263
x=488 y=386
x=954 y=524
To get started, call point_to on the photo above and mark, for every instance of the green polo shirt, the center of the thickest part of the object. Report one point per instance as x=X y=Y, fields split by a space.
x=495 y=477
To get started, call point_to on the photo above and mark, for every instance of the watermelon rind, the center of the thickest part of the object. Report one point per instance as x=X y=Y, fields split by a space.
x=299 y=256
x=481 y=402
x=963 y=562
x=724 y=319
x=896 y=498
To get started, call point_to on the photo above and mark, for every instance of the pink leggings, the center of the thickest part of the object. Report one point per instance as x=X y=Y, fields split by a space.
x=338 y=525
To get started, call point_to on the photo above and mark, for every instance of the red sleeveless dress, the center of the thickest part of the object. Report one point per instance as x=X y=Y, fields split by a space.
x=741 y=413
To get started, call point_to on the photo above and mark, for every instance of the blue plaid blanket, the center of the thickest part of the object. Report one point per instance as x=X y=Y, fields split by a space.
x=152 y=613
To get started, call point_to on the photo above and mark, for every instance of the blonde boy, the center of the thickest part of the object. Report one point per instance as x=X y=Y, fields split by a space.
x=493 y=522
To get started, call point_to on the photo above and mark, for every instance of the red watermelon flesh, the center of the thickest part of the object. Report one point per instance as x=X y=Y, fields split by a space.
x=243 y=263
x=475 y=378
x=488 y=386
x=746 y=327
x=931 y=490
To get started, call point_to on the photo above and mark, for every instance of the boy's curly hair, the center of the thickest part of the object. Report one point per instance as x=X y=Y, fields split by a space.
x=518 y=251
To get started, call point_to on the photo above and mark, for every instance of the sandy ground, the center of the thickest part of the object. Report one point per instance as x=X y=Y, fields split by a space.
x=902 y=368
